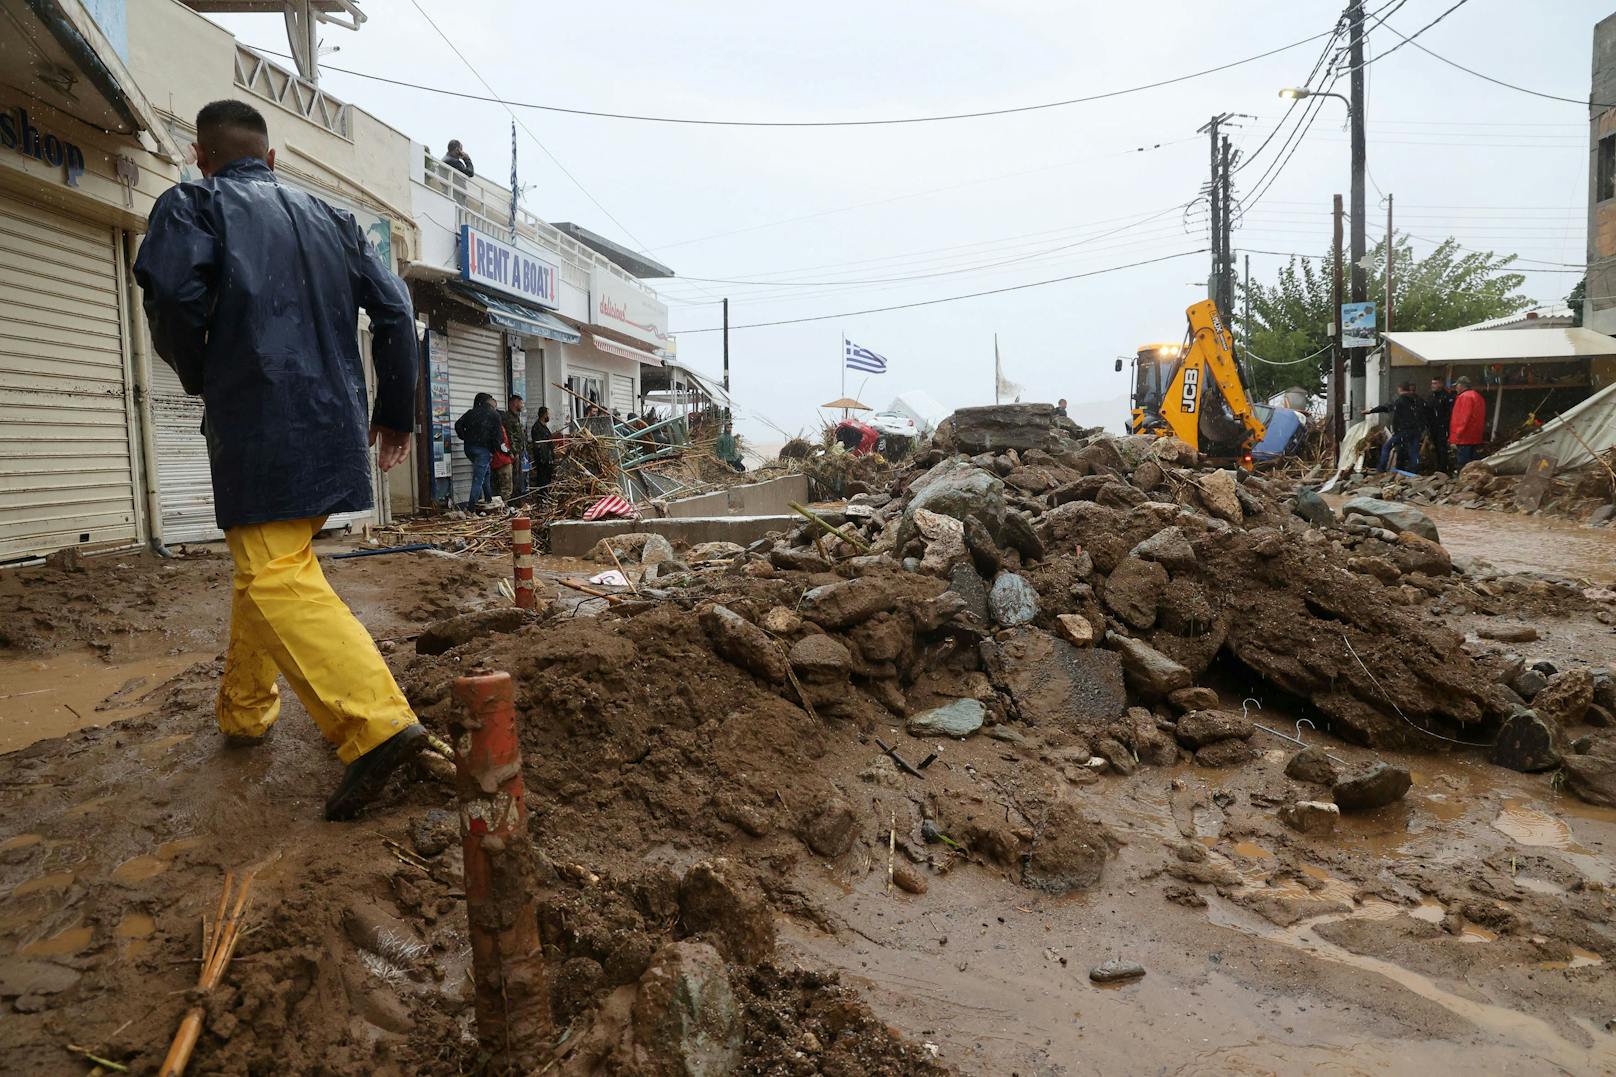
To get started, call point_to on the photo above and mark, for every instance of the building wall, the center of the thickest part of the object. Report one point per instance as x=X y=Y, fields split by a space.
x=1600 y=311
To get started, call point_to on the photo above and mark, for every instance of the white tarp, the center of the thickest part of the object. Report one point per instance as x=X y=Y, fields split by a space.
x=1568 y=438
x=1351 y=452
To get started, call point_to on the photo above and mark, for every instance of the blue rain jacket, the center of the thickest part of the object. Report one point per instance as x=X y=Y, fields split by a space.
x=252 y=291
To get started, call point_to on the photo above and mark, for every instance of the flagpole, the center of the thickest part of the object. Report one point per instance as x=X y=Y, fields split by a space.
x=997 y=376
x=842 y=359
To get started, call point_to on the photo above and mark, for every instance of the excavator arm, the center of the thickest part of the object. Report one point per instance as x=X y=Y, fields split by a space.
x=1206 y=373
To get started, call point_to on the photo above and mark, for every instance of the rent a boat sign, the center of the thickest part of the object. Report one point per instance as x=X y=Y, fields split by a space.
x=494 y=264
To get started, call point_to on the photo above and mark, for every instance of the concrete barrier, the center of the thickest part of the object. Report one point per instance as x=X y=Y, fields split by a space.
x=574 y=538
x=771 y=497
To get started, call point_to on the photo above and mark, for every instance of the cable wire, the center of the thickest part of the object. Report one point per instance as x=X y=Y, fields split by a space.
x=950 y=298
x=1409 y=40
x=701 y=122
x=1501 y=82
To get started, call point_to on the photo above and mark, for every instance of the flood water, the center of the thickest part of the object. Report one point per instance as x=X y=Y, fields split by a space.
x=52 y=696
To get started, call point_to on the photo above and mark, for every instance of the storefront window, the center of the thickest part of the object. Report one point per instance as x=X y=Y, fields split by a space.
x=589 y=387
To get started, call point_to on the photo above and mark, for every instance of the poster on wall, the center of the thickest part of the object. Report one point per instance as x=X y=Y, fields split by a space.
x=437 y=365
x=1357 y=325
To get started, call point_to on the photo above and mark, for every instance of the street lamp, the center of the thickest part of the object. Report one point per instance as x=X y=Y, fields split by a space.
x=1301 y=93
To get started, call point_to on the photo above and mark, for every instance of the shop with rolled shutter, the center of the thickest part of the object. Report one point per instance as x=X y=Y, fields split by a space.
x=477 y=364
x=69 y=466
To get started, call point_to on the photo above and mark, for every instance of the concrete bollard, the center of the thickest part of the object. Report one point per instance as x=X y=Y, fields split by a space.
x=522 y=551
x=512 y=984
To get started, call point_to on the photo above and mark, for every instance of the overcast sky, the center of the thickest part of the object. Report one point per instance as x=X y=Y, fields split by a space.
x=982 y=203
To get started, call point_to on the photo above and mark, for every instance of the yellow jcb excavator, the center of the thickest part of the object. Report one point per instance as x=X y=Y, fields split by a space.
x=1195 y=390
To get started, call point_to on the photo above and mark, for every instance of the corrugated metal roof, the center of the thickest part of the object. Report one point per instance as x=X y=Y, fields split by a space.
x=1551 y=315
x=1517 y=346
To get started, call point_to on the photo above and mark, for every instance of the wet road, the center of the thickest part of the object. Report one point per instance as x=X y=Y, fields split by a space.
x=1525 y=543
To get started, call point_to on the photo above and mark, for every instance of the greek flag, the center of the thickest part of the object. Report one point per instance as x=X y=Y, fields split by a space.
x=863 y=359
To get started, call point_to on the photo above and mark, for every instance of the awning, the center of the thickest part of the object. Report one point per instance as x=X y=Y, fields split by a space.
x=1499 y=346
x=517 y=316
x=623 y=351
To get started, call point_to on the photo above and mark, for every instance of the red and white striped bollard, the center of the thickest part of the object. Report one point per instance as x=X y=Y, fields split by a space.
x=522 y=549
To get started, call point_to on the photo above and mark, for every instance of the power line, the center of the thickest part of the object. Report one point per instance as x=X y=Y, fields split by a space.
x=942 y=273
x=1498 y=81
x=951 y=298
x=940 y=118
x=520 y=123
x=1409 y=40
x=1311 y=75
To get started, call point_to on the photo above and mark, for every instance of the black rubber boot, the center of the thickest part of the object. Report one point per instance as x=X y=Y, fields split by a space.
x=366 y=776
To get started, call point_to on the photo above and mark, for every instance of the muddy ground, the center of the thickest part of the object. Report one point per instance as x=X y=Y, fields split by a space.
x=1466 y=927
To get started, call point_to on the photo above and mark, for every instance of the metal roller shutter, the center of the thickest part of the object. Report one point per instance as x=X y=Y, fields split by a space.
x=622 y=394
x=67 y=469
x=477 y=364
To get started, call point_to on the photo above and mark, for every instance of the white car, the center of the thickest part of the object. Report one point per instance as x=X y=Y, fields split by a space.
x=892 y=424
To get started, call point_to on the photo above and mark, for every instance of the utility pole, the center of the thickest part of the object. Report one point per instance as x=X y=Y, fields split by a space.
x=1225 y=251
x=1217 y=194
x=1391 y=246
x=1359 y=212
x=726 y=344
x=1338 y=396
x=1245 y=319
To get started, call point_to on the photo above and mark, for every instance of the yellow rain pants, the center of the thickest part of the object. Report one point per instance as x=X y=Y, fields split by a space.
x=284 y=616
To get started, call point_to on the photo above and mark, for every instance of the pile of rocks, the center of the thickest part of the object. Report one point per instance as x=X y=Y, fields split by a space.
x=1584 y=495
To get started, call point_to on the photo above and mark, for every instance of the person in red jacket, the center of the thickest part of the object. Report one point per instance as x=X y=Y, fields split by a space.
x=1468 y=422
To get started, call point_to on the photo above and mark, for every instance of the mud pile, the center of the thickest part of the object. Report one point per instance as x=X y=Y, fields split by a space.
x=1586 y=495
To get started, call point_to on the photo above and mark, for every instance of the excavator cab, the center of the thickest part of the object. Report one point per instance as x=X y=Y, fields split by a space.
x=1195 y=391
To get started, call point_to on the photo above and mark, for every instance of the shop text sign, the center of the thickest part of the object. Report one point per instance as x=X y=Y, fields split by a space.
x=628 y=309
x=491 y=263
x=18 y=132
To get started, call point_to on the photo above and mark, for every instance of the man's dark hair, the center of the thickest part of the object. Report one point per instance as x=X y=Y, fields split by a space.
x=543 y=412
x=230 y=130
x=481 y=399
x=515 y=397
x=454 y=144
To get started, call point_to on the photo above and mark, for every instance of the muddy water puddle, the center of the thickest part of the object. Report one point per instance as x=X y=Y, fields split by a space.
x=51 y=697
x=1527 y=543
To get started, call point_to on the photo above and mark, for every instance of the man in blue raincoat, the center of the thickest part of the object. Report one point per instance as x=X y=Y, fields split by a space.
x=253 y=290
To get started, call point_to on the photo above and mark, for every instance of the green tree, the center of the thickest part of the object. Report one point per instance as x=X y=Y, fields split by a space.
x=1447 y=289
x=1576 y=298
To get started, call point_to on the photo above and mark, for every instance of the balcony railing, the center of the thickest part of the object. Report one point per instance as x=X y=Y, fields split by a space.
x=255 y=74
x=486 y=206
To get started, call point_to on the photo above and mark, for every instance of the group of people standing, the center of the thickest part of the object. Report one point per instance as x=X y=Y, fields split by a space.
x=1456 y=416
x=507 y=456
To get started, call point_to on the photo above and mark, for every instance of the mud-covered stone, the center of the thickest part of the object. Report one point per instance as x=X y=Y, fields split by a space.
x=1200 y=728
x=1216 y=492
x=842 y=605
x=717 y=901
x=686 y=1022
x=1567 y=697
x=1226 y=753
x=1168 y=547
x=1373 y=787
x=1313 y=508
x=441 y=636
x=973 y=591
x=1394 y=516
x=1019 y=535
x=1075 y=629
x=820 y=658
x=983 y=550
x=831 y=830
x=1313 y=764
x=798 y=559
x=1591 y=775
x=1526 y=743
x=1069 y=851
x=1133 y=591
x=1311 y=816
x=714 y=551
x=1414 y=553
x=744 y=643
x=635 y=547
x=1053 y=683
x=1193 y=698
x=945 y=541
x=1148 y=670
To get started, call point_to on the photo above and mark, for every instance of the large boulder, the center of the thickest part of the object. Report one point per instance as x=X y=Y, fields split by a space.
x=440 y=636
x=842 y=605
x=1053 y=683
x=1414 y=553
x=819 y=658
x=1168 y=547
x=718 y=901
x=960 y=491
x=1013 y=426
x=945 y=541
x=1394 y=516
x=1567 y=698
